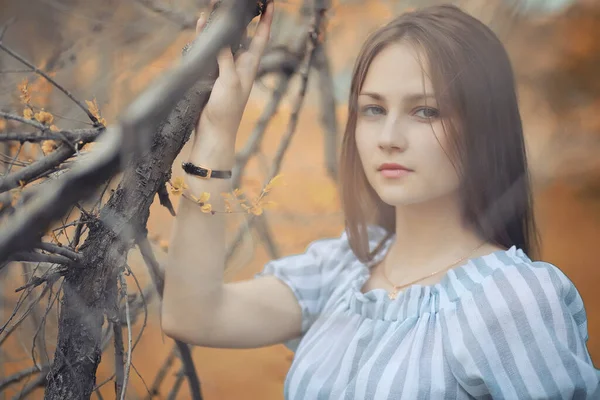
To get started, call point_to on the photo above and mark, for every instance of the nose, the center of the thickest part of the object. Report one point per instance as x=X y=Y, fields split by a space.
x=392 y=135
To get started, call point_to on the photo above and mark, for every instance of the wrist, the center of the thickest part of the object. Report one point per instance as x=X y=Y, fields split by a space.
x=214 y=152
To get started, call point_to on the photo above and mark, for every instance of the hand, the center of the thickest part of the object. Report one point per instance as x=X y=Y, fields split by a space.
x=223 y=112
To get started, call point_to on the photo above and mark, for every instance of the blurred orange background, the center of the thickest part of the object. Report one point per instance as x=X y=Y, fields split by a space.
x=547 y=50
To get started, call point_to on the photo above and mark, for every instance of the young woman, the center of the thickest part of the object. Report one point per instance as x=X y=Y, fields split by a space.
x=429 y=293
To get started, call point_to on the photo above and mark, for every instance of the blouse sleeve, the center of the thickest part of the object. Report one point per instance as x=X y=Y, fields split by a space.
x=310 y=276
x=521 y=335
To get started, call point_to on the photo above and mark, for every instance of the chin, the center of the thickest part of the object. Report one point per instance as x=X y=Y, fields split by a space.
x=399 y=197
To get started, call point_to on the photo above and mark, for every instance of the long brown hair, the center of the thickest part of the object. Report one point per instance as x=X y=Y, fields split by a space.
x=474 y=83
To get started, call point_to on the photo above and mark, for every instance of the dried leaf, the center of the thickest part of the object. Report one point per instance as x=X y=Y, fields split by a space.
x=27 y=113
x=273 y=182
x=95 y=110
x=48 y=146
x=256 y=210
x=178 y=186
x=207 y=208
x=228 y=207
x=164 y=245
x=44 y=117
x=54 y=128
x=2 y=125
x=25 y=96
x=88 y=146
x=268 y=204
x=15 y=196
x=204 y=197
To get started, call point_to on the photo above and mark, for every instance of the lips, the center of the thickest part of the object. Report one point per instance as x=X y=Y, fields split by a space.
x=393 y=170
x=393 y=167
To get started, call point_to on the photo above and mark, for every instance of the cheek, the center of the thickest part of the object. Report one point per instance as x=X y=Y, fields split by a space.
x=363 y=144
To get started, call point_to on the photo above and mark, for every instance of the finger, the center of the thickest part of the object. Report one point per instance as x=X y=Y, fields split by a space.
x=263 y=31
x=226 y=64
x=200 y=23
x=247 y=63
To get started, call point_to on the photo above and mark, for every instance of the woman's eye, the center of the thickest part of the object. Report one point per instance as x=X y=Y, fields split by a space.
x=370 y=111
x=427 y=113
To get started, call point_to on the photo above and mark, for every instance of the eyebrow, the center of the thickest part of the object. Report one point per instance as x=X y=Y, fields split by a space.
x=410 y=97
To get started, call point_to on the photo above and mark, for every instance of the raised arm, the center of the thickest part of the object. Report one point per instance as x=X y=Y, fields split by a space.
x=198 y=308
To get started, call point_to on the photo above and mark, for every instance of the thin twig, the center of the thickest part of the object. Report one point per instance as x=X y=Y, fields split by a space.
x=123 y=292
x=18 y=118
x=184 y=20
x=38 y=382
x=7 y=332
x=52 y=81
x=313 y=37
x=119 y=361
x=162 y=373
x=190 y=371
x=176 y=386
x=7 y=25
x=18 y=376
x=152 y=263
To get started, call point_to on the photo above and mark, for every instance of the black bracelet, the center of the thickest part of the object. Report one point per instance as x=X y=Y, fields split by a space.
x=205 y=173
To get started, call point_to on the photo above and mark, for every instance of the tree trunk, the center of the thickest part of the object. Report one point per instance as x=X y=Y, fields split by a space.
x=125 y=215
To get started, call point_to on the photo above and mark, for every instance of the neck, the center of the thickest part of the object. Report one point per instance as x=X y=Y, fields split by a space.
x=430 y=236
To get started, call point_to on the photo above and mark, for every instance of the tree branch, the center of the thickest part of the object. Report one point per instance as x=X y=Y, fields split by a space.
x=73 y=136
x=38 y=257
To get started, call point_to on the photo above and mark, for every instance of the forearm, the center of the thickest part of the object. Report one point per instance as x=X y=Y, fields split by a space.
x=196 y=259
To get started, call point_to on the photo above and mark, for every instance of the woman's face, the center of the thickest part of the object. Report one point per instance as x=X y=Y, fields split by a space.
x=398 y=122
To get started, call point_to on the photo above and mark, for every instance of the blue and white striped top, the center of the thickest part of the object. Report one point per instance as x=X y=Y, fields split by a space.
x=497 y=327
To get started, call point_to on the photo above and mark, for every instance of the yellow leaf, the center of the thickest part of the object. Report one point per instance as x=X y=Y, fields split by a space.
x=164 y=245
x=22 y=183
x=273 y=182
x=153 y=237
x=54 y=128
x=88 y=146
x=2 y=125
x=206 y=208
x=178 y=185
x=204 y=197
x=16 y=195
x=44 y=117
x=25 y=96
x=244 y=206
x=256 y=210
x=27 y=113
x=228 y=206
x=95 y=111
x=238 y=192
x=48 y=146
x=268 y=204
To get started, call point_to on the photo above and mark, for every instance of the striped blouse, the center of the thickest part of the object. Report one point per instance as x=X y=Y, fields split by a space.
x=499 y=326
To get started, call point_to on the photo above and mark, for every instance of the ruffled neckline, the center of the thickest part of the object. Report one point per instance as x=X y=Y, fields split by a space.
x=418 y=299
